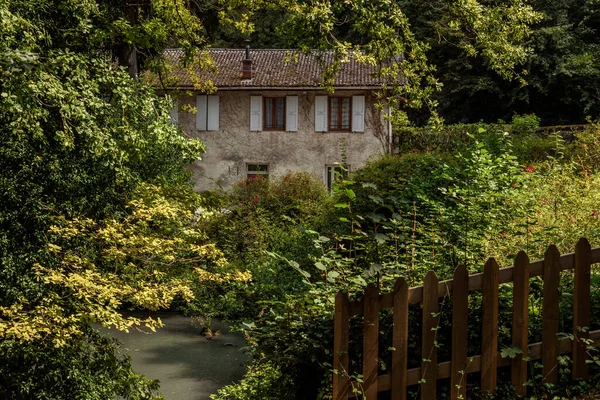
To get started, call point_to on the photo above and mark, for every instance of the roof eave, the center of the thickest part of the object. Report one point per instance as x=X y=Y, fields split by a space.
x=282 y=88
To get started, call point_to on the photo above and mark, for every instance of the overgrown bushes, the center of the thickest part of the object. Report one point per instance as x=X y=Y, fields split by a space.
x=400 y=216
x=253 y=219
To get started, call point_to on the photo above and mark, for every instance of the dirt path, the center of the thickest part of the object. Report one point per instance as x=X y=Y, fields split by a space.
x=188 y=366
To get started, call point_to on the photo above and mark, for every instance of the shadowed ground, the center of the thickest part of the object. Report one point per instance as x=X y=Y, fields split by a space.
x=188 y=366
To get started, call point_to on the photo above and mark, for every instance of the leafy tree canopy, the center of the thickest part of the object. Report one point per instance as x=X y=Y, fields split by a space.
x=384 y=33
x=95 y=205
x=560 y=73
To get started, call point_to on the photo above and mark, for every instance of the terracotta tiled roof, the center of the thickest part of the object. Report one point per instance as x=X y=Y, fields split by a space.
x=276 y=69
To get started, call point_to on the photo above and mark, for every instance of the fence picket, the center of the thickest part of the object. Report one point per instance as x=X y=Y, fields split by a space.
x=429 y=334
x=489 y=333
x=341 y=330
x=460 y=314
x=400 y=340
x=520 y=326
x=581 y=307
x=371 y=342
x=550 y=314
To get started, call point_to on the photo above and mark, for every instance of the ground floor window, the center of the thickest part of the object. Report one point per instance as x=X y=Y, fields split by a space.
x=335 y=172
x=257 y=170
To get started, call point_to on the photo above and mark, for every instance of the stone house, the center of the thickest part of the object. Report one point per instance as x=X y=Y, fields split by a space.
x=271 y=115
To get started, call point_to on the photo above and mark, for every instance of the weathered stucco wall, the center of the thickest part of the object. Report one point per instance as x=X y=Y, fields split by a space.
x=230 y=149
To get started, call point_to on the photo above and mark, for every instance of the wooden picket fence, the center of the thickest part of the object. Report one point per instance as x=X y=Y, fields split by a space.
x=487 y=363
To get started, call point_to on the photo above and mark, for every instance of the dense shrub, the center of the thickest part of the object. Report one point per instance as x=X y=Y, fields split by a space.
x=524 y=124
x=260 y=215
x=255 y=218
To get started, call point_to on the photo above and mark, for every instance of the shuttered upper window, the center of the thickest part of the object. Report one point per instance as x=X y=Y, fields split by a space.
x=274 y=113
x=207 y=113
x=340 y=109
x=340 y=114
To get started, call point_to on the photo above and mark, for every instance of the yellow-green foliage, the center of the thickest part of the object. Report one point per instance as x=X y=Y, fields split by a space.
x=145 y=259
x=555 y=206
x=586 y=153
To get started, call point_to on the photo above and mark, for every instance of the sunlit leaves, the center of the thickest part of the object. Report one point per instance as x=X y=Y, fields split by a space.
x=140 y=260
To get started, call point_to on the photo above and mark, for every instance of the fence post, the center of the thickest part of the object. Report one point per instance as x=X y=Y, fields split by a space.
x=550 y=314
x=400 y=340
x=520 y=321
x=429 y=333
x=371 y=342
x=341 y=327
x=489 y=333
x=581 y=307
x=460 y=316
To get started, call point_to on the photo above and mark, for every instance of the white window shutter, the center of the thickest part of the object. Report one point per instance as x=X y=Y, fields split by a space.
x=321 y=113
x=291 y=109
x=212 y=120
x=175 y=112
x=201 y=109
x=358 y=113
x=256 y=113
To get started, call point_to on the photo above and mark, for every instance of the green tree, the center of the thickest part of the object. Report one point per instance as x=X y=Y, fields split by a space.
x=560 y=73
x=78 y=140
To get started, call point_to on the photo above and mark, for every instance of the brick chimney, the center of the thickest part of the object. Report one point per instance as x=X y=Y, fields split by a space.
x=247 y=65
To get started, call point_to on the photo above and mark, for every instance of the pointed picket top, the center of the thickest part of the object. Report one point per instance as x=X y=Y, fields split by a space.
x=553 y=251
x=400 y=283
x=491 y=263
x=431 y=275
x=583 y=241
x=522 y=258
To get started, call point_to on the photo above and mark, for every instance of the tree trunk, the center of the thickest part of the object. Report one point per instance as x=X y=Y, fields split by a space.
x=128 y=58
x=128 y=53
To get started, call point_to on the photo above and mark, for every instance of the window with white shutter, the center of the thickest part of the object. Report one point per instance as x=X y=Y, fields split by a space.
x=321 y=113
x=207 y=113
x=256 y=113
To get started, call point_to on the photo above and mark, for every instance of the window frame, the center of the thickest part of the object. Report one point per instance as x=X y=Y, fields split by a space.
x=274 y=116
x=339 y=121
x=262 y=174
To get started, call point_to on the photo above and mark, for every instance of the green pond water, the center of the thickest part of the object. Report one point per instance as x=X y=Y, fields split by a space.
x=188 y=366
